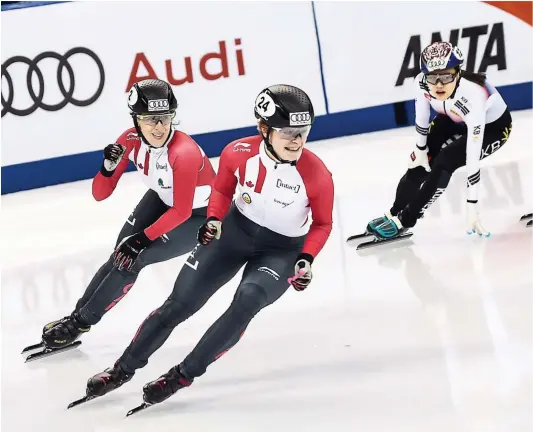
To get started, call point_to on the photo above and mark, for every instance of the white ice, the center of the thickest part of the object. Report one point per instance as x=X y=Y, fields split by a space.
x=435 y=334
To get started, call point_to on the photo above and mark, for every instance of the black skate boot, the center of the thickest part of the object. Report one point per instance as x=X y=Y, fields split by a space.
x=52 y=324
x=107 y=381
x=165 y=386
x=162 y=388
x=53 y=341
x=103 y=383
x=65 y=332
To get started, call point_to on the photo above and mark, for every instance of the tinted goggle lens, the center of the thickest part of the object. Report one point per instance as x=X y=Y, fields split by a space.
x=290 y=133
x=152 y=120
x=446 y=78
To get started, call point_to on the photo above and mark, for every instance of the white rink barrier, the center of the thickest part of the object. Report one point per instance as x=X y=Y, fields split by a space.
x=64 y=98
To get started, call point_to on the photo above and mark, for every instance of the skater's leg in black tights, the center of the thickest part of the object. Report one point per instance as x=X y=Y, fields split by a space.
x=408 y=187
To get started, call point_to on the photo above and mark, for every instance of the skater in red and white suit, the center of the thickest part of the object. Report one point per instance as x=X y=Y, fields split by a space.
x=164 y=223
x=266 y=229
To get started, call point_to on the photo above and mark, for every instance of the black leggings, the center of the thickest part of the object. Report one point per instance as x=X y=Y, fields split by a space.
x=109 y=285
x=269 y=260
x=418 y=189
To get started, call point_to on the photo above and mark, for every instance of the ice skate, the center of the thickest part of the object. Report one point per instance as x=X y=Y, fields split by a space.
x=162 y=388
x=371 y=226
x=390 y=231
x=43 y=349
x=374 y=223
x=65 y=332
x=103 y=383
x=391 y=228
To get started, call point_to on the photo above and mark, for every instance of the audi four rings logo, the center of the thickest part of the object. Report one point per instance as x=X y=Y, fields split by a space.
x=157 y=105
x=36 y=93
x=300 y=119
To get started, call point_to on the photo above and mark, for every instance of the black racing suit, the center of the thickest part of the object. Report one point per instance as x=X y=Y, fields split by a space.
x=109 y=285
x=269 y=260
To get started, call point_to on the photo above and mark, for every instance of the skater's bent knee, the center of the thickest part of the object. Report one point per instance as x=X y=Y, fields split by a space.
x=249 y=299
x=444 y=163
x=174 y=312
x=416 y=174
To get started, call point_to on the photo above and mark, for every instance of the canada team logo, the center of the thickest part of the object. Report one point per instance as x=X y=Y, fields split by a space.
x=246 y=198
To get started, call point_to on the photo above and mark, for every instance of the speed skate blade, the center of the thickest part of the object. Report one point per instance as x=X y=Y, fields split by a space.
x=141 y=407
x=529 y=224
x=47 y=352
x=358 y=236
x=80 y=401
x=381 y=242
x=527 y=216
x=32 y=348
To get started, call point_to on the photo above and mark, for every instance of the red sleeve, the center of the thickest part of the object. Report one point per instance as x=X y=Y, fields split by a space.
x=320 y=191
x=224 y=185
x=104 y=186
x=186 y=161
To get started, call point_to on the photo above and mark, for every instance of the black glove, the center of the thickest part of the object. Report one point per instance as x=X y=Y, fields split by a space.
x=129 y=249
x=211 y=228
x=112 y=156
x=302 y=272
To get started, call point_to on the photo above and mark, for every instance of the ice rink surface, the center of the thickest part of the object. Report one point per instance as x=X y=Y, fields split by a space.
x=431 y=335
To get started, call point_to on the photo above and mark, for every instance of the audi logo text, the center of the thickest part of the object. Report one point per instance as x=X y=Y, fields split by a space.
x=36 y=93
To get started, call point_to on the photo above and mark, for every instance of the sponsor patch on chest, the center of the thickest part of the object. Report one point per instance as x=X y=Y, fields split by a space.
x=293 y=187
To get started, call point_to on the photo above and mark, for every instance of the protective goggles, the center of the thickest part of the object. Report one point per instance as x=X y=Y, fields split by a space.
x=152 y=120
x=446 y=78
x=290 y=133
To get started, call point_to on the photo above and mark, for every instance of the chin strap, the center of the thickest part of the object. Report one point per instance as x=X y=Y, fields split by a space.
x=270 y=148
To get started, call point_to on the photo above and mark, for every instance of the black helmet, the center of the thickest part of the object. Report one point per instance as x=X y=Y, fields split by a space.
x=284 y=106
x=152 y=96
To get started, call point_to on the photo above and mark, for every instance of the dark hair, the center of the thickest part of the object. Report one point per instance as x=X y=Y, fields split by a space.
x=478 y=78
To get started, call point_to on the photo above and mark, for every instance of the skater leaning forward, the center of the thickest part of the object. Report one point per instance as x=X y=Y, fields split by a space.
x=164 y=223
x=472 y=122
x=265 y=230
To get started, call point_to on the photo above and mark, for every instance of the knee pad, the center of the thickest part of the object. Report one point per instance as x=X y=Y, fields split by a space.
x=173 y=312
x=249 y=299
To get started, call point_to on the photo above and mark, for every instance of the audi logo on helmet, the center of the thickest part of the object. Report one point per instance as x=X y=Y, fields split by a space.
x=45 y=78
x=300 y=119
x=158 y=105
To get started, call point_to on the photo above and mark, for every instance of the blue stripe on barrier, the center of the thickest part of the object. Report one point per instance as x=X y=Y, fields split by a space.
x=7 y=6
x=83 y=166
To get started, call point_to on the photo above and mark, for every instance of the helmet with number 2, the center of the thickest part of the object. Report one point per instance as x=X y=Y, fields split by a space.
x=152 y=96
x=440 y=56
x=283 y=105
